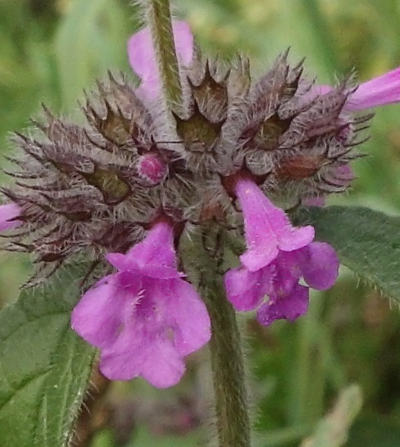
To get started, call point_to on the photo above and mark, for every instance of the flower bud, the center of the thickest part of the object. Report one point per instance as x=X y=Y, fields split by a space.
x=151 y=168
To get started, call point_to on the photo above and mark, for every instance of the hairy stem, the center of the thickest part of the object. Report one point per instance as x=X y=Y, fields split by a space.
x=228 y=372
x=158 y=15
x=231 y=401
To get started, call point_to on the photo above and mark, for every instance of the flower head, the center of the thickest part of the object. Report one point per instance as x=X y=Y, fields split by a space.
x=92 y=188
x=145 y=318
x=277 y=257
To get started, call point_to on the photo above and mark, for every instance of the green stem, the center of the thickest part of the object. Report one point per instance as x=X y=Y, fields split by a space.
x=231 y=401
x=228 y=372
x=158 y=15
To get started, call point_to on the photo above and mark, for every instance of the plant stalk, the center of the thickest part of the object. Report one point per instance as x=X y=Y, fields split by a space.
x=231 y=403
x=158 y=15
x=228 y=372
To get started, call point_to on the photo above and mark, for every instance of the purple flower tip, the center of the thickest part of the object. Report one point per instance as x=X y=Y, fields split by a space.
x=8 y=216
x=143 y=61
x=145 y=318
x=278 y=256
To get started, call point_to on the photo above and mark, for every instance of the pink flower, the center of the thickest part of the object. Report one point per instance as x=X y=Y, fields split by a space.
x=143 y=60
x=267 y=228
x=379 y=91
x=278 y=256
x=145 y=318
x=8 y=216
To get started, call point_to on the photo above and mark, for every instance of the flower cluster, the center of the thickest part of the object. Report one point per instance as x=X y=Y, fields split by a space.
x=124 y=188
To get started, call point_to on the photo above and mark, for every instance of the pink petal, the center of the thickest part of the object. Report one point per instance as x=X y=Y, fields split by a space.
x=154 y=257
x=320 y=265
x=142 y=57
x=267 y=228
x=245 y=289
x=256 y=259
x=101 y=311
x=294 y=238
x=162 y=366
x=379 y=91
x=139 y=353
x=157 y=248
x=183 y=41
x=262 y=242
x=287 y=272
x=184 y=313
x=8 y=215
x=288 y=307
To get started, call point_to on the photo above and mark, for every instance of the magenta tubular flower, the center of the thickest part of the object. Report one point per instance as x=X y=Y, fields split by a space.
x=143 y=61
x=379 y=91
x=267 y=228
x=145 y=318
x=9 y=214
x=278 y=256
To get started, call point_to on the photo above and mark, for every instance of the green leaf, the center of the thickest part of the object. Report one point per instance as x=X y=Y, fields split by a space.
x=44 y=366
x=367 y=241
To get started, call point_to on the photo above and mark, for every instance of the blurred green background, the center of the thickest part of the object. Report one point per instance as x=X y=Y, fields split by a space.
x=51 y=50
